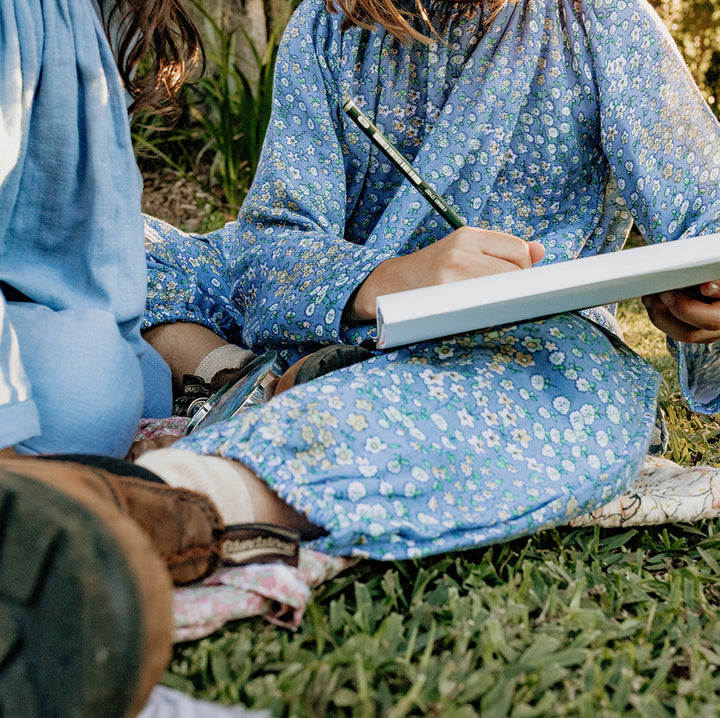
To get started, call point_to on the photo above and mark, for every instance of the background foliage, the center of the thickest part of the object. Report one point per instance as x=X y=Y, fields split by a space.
x=217 y=140
x=695 y=27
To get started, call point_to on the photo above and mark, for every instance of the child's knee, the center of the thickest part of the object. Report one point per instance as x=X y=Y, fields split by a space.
x=85 y=378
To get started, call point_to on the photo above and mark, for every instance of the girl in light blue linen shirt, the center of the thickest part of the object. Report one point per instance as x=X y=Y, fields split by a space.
x=72 y=269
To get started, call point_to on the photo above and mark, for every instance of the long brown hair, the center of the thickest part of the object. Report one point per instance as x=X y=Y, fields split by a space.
x=157 y=46
x=399 y=23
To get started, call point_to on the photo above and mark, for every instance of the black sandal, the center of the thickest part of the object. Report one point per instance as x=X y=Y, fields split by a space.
x=330 y=358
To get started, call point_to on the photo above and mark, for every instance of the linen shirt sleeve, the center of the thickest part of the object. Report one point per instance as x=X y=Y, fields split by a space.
x=18 y=414
x=294 y=267
x=663 y=145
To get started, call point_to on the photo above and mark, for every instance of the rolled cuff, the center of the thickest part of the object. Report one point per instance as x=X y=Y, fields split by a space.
x=698 y=374
x=18 y=422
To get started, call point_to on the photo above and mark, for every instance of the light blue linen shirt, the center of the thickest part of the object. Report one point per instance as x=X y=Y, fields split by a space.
x=70 y=220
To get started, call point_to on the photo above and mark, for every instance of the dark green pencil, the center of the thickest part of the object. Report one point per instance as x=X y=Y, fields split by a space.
x=380 y=141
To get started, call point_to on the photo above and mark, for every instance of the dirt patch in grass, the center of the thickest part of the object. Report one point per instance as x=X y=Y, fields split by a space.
x=181 y=201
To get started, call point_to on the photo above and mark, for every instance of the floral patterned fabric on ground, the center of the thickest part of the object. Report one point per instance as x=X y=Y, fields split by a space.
x=560 y=123
x=154 y=428
x=663 y=493
x=277 y=592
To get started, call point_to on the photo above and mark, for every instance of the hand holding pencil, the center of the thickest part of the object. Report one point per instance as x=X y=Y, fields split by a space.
x=465 y=253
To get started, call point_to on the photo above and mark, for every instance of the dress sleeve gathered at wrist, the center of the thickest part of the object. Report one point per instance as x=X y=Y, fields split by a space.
x=177 y=291
x=295 y=267
x=662 y=143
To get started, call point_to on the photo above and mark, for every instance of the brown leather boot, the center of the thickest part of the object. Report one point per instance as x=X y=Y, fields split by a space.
x=320 y=362
x=184 y=526
x=85 y=600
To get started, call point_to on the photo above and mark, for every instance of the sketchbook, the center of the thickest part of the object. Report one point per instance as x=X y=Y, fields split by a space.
x=445 y=309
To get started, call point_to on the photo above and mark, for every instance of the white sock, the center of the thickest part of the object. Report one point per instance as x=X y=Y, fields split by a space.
x=228 y=356
x=223 y=480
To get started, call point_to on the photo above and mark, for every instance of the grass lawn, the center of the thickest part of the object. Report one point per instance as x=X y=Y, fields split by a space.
x=572 y=622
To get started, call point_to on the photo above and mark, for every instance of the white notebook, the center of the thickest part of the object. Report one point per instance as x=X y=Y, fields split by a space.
x=445 y=309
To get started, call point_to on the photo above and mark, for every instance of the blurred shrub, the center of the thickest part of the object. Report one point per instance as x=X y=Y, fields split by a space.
x=218 y=137
x=695 y=27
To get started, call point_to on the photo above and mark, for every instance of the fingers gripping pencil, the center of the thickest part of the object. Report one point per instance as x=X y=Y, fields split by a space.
x=380 y=141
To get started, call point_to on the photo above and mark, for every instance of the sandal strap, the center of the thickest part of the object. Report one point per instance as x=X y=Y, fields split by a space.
x=331 y=358
x=259 y=543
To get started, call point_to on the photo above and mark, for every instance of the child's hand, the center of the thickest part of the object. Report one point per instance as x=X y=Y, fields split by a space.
x=687 y=315
x=466 y=253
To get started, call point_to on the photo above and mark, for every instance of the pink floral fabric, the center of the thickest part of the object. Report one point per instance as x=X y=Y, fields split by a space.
x=275 y=591
x=154 y=428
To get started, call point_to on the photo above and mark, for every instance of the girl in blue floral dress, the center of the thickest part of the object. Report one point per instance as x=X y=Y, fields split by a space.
x=549 y=125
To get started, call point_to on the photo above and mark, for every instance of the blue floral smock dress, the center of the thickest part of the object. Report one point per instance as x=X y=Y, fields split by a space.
x=561 y=123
